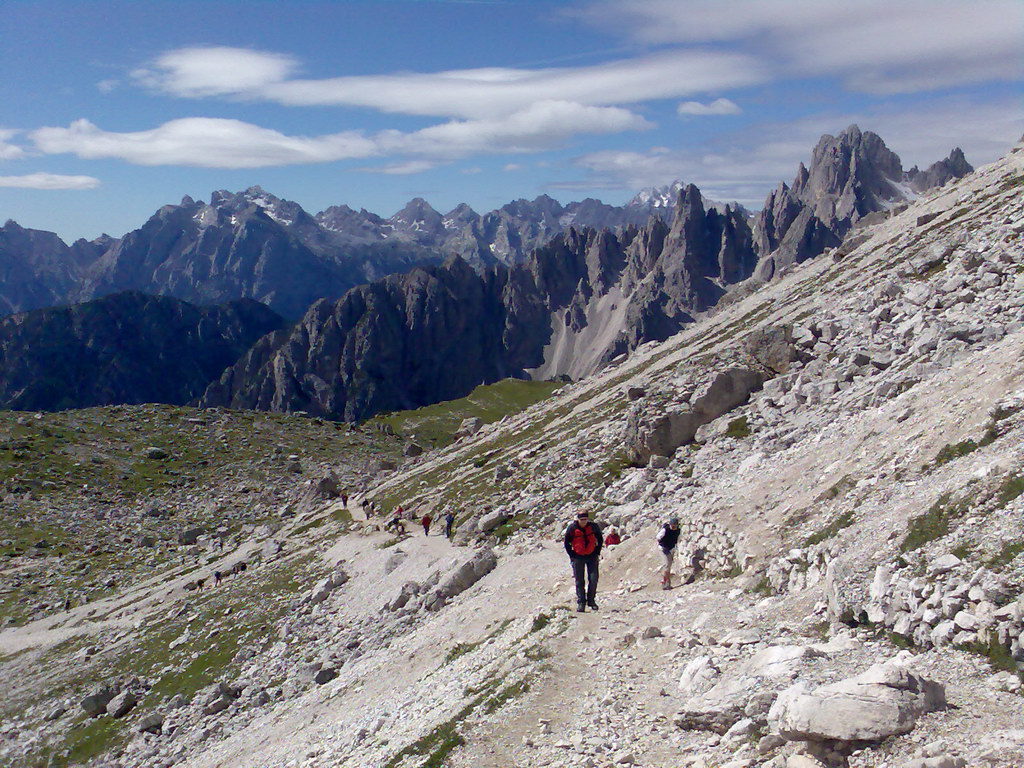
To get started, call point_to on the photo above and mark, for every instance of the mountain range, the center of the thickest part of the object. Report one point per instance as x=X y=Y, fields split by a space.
x=402 y=312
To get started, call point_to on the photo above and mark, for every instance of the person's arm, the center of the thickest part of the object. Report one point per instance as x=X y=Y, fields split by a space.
x=568 y=540
x=599 y=535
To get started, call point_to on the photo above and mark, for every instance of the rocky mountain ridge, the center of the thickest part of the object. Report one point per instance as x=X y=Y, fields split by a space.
x=435 y=333
x=252 y=244
x=124 y=348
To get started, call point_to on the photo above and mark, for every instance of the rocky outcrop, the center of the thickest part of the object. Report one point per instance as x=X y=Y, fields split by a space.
x=125 y=348
x=851 y=176
x=884 y=701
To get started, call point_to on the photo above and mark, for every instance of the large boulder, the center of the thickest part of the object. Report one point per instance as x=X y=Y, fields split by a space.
x=469 y=427
x=122 y=704
x=95 y=704
x=884 y=701
x=464 y=575
x=716 y=396
x=773 y=347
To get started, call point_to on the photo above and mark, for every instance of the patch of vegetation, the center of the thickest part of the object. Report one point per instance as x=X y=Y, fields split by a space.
x=963 y=550
x=933 y=524
x=839 y=488
x=461 y=649
x=763 y=587
x=538 y=653
x=998 y=655
x=1011 y=488
x=540 y=621
x=617 y=464
x=515 y=523
x=88 y=739
x=738 y=428
x=1009 y=552
x=845 y=520
x=954 y=451
x=506 y=695
x=437 y=424
x=900 y=641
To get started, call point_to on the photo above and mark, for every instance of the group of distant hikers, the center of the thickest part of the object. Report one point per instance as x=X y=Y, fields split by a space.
x=396 y=522
x=583 y=543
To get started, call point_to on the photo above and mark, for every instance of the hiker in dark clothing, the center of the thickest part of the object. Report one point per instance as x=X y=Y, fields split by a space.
x=449 y=521
x=668 y=537
x=426 y=520
x=583 y=542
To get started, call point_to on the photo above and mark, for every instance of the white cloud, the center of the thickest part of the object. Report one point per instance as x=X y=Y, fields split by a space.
x=401 y=169
x=539 y=126
x=745 y=165
x=472 y=171
x=215 y=71
x=716 y=107
x=512 y=167
x=878 y=46
x=49 y=181
x=9 y=151
x=486 y=93
x=220 y=143
x=107 y=86
x=203 y=142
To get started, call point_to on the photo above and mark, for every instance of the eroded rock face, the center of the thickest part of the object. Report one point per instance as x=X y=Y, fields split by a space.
x=884 y=701
x=851 y=176
x=715 y=397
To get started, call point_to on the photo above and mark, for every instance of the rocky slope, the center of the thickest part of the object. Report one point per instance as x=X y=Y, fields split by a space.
x=435 y=333
x=124 y=348
x=843 y=446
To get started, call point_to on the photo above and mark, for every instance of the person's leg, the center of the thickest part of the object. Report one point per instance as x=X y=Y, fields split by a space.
x=666 y=576
x=579 y=567
x=592 y=581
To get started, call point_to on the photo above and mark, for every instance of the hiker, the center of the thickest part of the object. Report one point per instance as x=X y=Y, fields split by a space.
x=344 y=500
x=583 y=545
x=668 y=537
x=612 y=538
x=449 y=521
x=426 y=520
x=216 y=578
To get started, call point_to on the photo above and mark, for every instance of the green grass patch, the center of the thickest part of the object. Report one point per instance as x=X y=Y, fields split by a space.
x=540 y=621
x=845 y=520
x=507 y=694
x=461 y=649
x=998 y=655
x=436 y=424
x=88 y=739
x=738 y=428
x=516 y=523
x=1011 y=488
x=1007 y=553
x=954 y=451
x=933 y=524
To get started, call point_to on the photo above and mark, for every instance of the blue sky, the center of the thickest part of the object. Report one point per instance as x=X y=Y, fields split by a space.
x=109 y=110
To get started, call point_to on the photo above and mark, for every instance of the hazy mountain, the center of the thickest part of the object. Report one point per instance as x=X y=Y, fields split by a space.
x=124 y=348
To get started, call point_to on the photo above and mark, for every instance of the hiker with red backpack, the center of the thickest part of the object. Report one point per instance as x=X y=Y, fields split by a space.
x=583 y=542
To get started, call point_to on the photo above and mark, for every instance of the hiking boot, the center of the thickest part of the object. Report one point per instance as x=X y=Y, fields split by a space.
x=593 y=606
x=580 y=608
x=666 y=585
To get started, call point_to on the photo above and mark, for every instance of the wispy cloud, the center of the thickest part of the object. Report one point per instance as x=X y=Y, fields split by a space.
x=465 y=93
x=49 y=181
x=219 y=143
x=876 y=46
x=716 y=107
x=9 y=151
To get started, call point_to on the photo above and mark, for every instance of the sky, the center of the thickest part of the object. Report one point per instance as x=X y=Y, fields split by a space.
x=109 y=110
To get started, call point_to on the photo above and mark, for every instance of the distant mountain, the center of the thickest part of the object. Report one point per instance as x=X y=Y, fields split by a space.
x=851 y=176
x=436 y=332
x=125 y=348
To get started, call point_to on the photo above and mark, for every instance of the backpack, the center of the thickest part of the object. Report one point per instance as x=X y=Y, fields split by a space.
x=583 y=542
